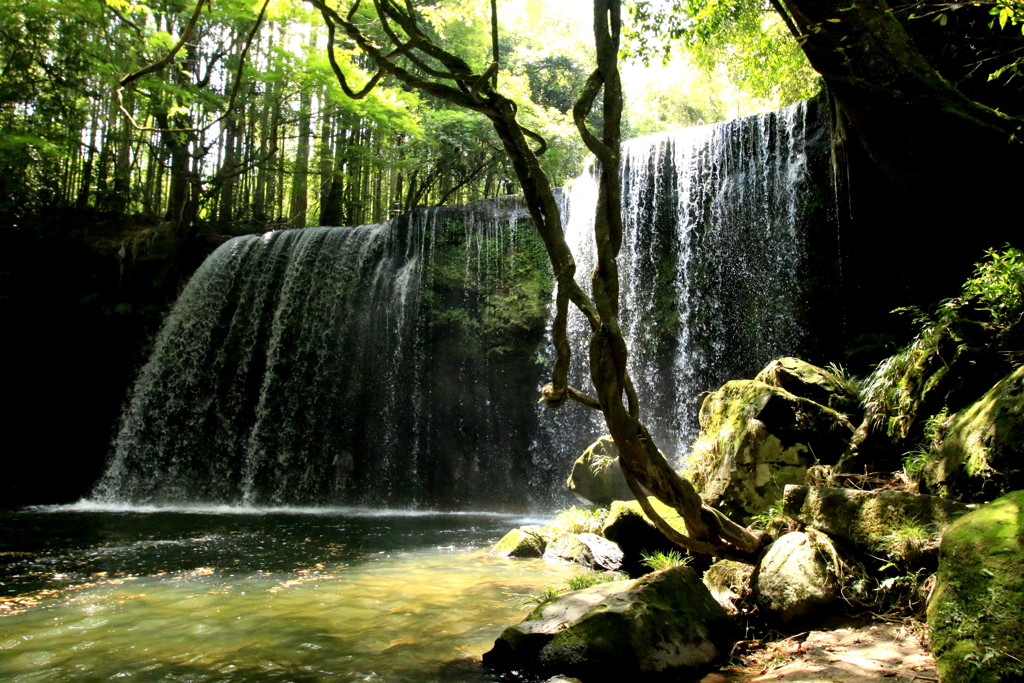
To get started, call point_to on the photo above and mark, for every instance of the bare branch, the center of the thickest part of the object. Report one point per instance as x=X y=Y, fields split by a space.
x=338 y=73
x=236 y=86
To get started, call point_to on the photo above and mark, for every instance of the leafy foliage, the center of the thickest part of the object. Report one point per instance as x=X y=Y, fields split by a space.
x=658 y=561
x=576 y=520
x=741 y=37
x=997 y=286
x=992 y=298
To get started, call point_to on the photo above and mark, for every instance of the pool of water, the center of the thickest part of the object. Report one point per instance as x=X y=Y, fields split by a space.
x=270 y=595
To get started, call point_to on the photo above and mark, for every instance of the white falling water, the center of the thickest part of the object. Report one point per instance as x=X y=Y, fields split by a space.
x=336 y=366
x=715 y=278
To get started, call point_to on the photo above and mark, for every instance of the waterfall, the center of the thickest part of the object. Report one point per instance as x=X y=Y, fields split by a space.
x=397 y=364
x=343 y=365
x=726 y=262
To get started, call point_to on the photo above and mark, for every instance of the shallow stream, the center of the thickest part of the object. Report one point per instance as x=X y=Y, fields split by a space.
x=272 y=595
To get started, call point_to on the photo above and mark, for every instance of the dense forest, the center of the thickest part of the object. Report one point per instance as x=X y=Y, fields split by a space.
x=247 y=125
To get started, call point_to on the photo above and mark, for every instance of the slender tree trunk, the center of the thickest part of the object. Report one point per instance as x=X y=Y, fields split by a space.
x=229 y=168
x=300 y=176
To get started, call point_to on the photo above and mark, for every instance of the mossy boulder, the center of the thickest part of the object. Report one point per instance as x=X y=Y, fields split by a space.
x=981 y=454
x=798 y=577
x=663 y=623
x=588 y=550
x=755 y=438
x=520 y=543
x=628 y=526
x=976 y=614
x=801 y=378
x=597 y=475
x=906 y=525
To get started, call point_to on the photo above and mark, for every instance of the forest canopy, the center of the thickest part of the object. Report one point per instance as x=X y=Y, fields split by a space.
x=247 y=126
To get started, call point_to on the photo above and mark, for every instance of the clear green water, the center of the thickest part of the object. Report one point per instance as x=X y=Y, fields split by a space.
x=187 y=596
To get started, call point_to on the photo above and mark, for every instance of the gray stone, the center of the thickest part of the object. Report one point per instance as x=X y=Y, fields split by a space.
x=597 y=475
x=663 y=622
x=798 y=577
x=588 y=550
x=730 y=584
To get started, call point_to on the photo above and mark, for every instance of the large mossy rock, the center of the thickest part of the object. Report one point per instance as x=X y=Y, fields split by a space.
x=801 y=378
x=798 y=577
x=947 y=366
x=976 y=614
x=982 y=451
x=597 y=476
x=755 y=438
x=873 y=519
x=666 y=622
x=628 y=526
x=520 y=543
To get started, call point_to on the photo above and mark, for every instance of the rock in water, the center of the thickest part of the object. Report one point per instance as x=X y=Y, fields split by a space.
x=520 y=543
x=664 y=622
x=597 y=475
x=976 y=614
x=797 y=577
x=589 y=550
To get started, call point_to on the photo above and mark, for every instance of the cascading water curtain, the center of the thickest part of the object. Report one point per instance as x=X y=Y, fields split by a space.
x=728 y=248
x=334 y=366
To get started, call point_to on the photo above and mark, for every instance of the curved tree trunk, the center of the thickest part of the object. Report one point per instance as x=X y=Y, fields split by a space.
x=441 y=74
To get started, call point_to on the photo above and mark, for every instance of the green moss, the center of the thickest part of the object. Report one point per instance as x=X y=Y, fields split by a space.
x=982 y=446
x=519 y=543
x=725 y=417
x=490 y=292
x=621 y=508
x=976 y=615
x=868 y=518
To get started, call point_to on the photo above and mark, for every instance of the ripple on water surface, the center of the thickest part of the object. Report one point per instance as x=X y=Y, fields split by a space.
x=380 y=607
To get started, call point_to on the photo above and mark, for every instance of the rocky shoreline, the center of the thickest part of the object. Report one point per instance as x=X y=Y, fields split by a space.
x=897 y=497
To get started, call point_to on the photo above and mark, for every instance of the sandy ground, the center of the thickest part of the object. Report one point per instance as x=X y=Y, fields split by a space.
x=870 y=652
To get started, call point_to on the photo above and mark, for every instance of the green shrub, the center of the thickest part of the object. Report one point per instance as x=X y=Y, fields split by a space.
x=658 y=560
